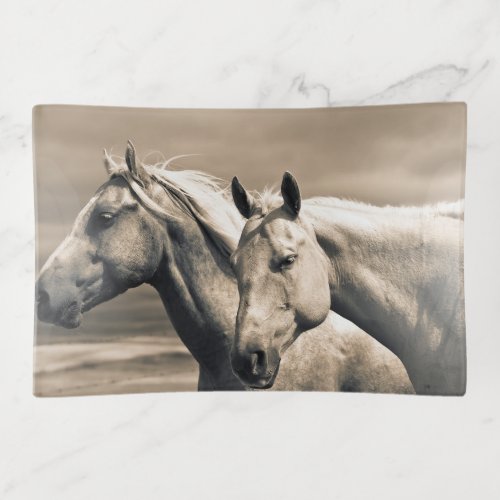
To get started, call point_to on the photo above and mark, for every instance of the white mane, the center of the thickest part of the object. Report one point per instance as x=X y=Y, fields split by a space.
x=207 y=200
x=453 y=209
x=270 y=199
x=201 y=196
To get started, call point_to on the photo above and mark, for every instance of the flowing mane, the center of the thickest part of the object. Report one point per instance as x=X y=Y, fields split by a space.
x=270 y=199
x=453 y=209
x=201 y=196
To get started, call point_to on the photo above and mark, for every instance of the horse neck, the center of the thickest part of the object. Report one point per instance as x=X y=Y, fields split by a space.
x=392 y=273
x=200 y=296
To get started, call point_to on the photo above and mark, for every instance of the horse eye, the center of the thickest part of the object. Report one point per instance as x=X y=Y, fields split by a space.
x=106 y=217
x=288 y=261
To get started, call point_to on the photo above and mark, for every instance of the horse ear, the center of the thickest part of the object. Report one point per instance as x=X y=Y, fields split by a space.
x=291 y=193
x=130 y=159
x=242 y=199
x=107 y=164
x=137 y=171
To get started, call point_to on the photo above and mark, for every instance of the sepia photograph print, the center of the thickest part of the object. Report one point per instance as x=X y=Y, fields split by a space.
x=261 y=250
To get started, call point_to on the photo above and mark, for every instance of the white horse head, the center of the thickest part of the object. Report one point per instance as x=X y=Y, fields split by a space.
x=282 y=275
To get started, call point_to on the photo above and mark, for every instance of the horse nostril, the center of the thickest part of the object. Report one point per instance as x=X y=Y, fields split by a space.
x=252 y=362
x=249 y=364
x=42 y=297
x=261 y=358
x=258 y=362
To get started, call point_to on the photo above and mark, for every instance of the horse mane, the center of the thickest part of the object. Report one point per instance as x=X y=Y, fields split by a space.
x=270 y=199
x=207 y=199
x=452 y=209
x=201 y=196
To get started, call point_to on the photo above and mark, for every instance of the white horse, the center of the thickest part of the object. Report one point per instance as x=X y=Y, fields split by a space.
x=175 y=230
x=397 y=273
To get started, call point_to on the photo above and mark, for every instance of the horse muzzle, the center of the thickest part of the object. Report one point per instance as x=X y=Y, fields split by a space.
x=256 y=368
x=65 y=312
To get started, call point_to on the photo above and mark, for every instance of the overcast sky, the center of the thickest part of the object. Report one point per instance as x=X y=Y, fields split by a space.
x=410 y=154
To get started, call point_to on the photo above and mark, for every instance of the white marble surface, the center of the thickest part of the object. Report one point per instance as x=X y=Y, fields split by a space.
x=247 y=54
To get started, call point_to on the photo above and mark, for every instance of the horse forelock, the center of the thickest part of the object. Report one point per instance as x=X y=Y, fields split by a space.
x=268 y=200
